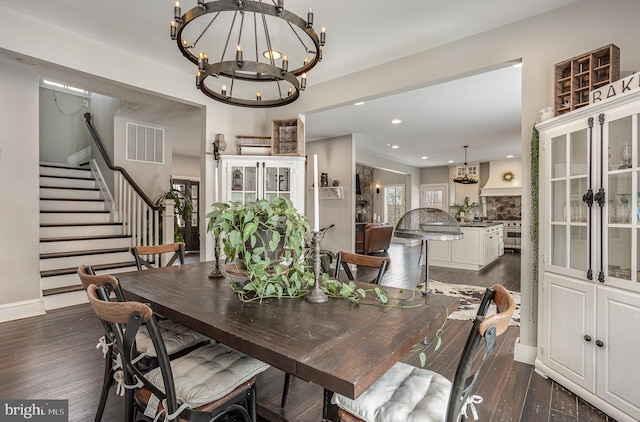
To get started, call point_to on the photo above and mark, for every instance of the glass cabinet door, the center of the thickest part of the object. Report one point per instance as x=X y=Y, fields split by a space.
x=244 y=183
x=277 y=182
x=568 y=214
x=622 y=199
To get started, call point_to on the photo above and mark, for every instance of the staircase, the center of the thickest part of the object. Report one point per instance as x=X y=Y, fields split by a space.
x=76 y=228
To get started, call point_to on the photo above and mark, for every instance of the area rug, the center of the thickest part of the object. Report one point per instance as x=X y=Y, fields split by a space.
x=470 y=297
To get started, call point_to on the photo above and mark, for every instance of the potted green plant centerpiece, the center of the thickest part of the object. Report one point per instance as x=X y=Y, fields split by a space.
x=265 y=241
x=267 y=251
x=465 y=208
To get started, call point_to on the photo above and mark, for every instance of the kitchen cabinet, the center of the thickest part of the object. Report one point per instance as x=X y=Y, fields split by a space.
x=458 y=191
x=589 y=258
x=478 y=247
x=246 y=178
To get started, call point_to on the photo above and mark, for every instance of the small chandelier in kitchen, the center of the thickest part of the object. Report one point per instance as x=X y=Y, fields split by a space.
x=465 y=179
x=248 y=53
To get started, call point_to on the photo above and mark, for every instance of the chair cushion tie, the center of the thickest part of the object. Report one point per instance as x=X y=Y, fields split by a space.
x=470 y=403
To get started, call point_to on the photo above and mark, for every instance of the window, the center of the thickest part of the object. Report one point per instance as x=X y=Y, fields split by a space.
x=145 y=143
x=394 y=203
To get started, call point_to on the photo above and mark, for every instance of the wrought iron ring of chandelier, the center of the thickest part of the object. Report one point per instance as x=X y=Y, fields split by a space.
x=233 y=64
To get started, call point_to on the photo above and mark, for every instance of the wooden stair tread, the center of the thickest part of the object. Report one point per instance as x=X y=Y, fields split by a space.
x=54 y=176
x=60 y=290
x=81 y=253
x=72 y=238
x=73 y=211
x=68 y=188
x=101 y=267
x=77 y=224
x=72 y=199
x=61 y=166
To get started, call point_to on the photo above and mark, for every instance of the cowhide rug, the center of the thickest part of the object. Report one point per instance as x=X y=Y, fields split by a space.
x=469 y=299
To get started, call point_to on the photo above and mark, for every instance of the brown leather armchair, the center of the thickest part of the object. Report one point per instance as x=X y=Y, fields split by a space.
x=377 y=238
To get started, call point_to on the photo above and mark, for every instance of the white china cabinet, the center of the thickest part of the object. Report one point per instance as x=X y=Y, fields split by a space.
x=246 y=178
x=589 y=295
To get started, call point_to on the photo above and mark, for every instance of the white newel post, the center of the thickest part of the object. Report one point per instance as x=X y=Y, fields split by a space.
x=167 y=226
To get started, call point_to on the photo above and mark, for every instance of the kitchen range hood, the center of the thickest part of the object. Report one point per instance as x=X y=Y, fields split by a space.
x=505 y=178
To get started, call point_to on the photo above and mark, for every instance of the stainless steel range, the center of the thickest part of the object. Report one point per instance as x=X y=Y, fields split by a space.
x=512 y=234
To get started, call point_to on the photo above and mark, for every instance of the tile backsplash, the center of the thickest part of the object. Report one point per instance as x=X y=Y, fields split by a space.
x=503 y=207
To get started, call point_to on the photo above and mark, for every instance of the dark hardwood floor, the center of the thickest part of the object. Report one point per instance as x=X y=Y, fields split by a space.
x=54 y=357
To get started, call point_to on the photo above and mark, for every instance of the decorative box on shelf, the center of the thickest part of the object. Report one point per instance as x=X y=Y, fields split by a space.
x=577 y=77
x=331 y=192
x=287 y=137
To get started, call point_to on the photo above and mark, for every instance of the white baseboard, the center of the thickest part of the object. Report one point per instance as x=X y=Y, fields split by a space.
x=524 y=353
x=19 y=310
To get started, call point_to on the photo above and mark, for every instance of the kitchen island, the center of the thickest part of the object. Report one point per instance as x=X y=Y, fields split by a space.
x=481 y=244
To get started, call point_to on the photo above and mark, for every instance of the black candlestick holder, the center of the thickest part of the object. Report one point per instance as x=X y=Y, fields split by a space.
x=216 y=273
x=316 y=295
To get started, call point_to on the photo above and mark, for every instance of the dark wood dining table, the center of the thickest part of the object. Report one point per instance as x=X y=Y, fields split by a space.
x=341 y=346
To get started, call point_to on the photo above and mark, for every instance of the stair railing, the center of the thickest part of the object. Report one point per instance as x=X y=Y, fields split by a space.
x=146 y=222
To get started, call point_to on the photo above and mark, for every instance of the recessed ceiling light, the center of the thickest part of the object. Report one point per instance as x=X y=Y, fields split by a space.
x=359 y=103
x=450 y=161
x=396 y=121
x=395 y=147
x=388 y=145
x=272 y=54
x=509 y=156
x=424 y=157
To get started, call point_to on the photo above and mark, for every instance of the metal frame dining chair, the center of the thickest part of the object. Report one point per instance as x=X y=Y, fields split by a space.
x=178 y=339
x=157 y=250
x=207 y=384
x=381 y=263
x=406 y=392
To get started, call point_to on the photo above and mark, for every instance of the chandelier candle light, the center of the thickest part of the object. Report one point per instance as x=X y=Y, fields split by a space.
x=316 y=295
x=465 y=179
x=236 y=44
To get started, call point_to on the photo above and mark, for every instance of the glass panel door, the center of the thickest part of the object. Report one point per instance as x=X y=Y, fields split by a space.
x=622 y=200
x=244 y=183
x=569 y=241
x=277 y=182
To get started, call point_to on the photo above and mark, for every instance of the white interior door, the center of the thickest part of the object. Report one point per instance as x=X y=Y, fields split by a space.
x=434 y=196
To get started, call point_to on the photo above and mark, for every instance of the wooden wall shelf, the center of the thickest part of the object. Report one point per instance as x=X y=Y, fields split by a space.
x=577 y=77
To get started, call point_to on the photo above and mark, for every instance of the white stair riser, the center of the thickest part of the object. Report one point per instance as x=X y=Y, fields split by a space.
x=79 y=245
x=62 y=231
x=68 y=280
x=61 y=218
x=63 y=300
x=71 y=172
x=56 y=205
x=76 y=261
x=69 y=193
x=67 y=183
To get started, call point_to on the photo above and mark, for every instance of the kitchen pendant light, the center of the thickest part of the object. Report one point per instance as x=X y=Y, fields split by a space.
x=465 y=179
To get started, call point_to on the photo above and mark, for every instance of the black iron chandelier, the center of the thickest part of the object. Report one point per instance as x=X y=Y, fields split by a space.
x=248 y=53
x=465 y=179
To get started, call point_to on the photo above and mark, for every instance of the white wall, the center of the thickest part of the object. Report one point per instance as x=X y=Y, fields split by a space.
x=62 y=126
x=185 y=167
x=19 y=214
x=336 y=157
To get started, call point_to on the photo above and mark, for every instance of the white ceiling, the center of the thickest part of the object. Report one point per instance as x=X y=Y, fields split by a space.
x=482 y=111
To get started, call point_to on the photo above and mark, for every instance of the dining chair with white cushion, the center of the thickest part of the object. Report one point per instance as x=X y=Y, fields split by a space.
x=406 y=393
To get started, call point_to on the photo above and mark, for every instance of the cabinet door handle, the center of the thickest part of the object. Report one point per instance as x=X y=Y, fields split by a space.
x=587 y=338
x=599 y=343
